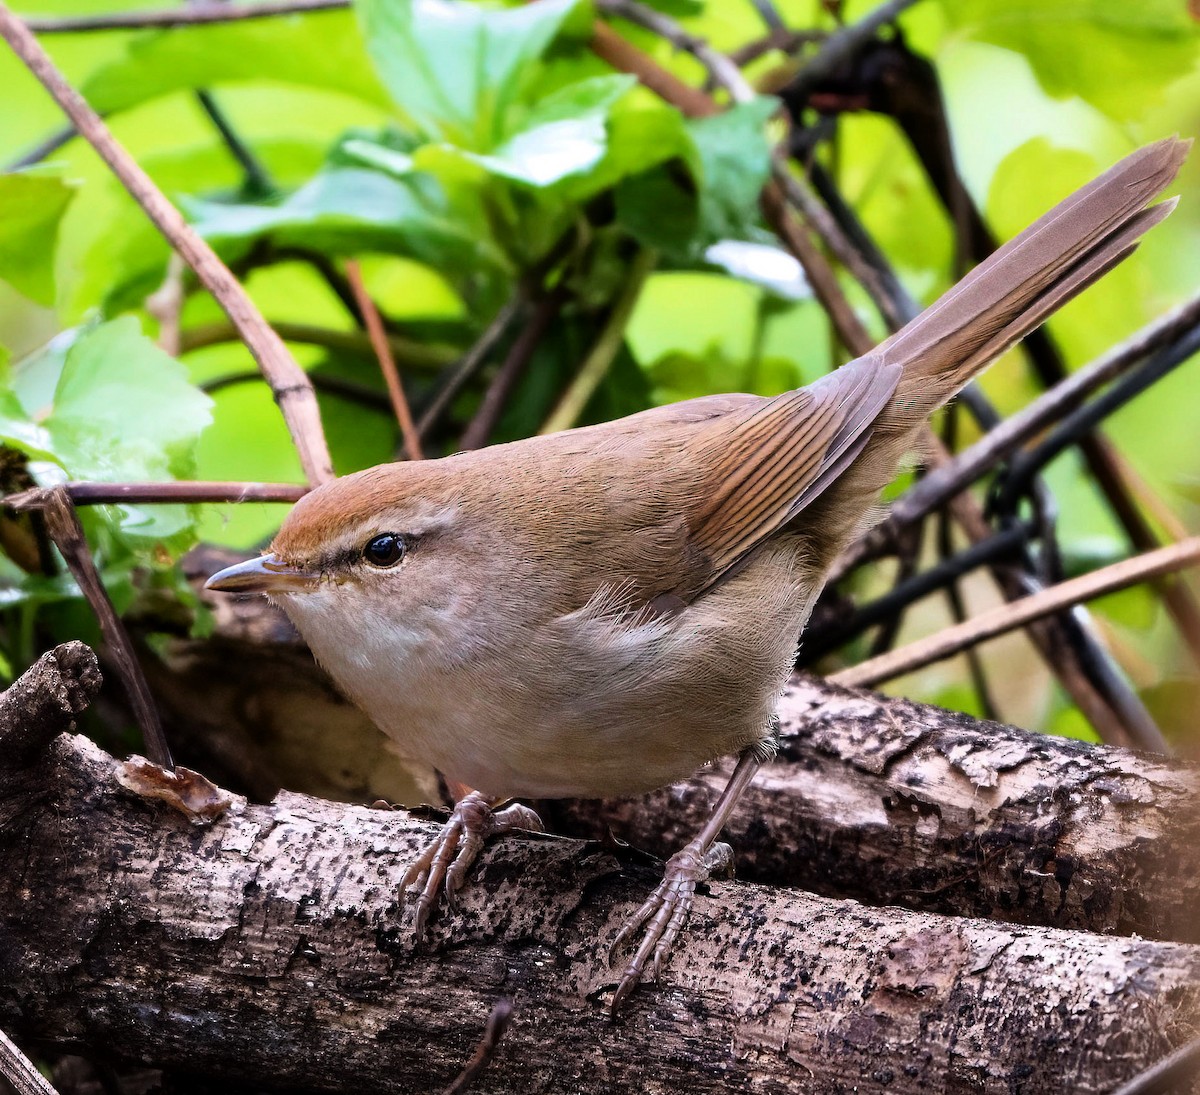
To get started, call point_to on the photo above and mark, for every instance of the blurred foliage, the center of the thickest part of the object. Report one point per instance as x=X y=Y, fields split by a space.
x=466 y=152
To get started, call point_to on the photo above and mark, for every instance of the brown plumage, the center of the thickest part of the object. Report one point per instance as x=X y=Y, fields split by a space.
x=600 y=611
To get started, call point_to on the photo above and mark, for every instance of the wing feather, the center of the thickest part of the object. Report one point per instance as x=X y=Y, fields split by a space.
x=770 y=460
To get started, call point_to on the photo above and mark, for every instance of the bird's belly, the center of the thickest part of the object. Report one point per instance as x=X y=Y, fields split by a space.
x=625 y=746
x=583 y=706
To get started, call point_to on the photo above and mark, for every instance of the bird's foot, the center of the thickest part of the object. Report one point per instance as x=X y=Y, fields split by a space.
x=444 y=864
x=666 y=910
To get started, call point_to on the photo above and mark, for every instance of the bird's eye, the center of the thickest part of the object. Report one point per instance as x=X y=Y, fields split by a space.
x=384 y=550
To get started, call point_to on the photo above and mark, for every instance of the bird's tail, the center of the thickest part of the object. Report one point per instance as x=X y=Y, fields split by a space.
x=999 y=302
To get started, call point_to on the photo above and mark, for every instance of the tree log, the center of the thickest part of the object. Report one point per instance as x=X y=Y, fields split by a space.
x=893 y=802
x=269 y=949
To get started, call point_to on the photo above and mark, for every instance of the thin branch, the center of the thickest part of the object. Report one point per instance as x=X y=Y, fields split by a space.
x=609 y=46
x=597 y=363
x=798 y=194
x=844 y=43
x=470 y=364
x=44 y=149
x=785 y=41
x=1018 y=613
x=324 y=383
x=498 y=1022
x=1083 y=420
x=723 y=72
x=998 y=547
x=387 y=363
x=63 y=524
x=288 y=382
x=102 y=494
x=496 y=398
x=211 y=11
x=257 y=182
x=820 y=275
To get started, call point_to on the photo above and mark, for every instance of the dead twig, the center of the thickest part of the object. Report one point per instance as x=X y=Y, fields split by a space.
x=497 y=1024
x=387 y=363
x=288 y=382
x=210 y=11
x=20 y=1071
x=99 y=494
x=67 y=534
x=1018 y=613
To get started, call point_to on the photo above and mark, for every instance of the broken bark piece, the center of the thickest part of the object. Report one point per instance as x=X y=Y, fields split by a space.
x=43 y=702
x=199 y=799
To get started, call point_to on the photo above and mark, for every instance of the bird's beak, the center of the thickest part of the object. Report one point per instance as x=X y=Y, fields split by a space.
x=266 y=574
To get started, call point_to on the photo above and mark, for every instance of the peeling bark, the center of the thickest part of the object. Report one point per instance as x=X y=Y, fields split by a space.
x=269 y=949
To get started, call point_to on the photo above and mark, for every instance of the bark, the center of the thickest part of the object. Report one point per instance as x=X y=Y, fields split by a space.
x=269 y=949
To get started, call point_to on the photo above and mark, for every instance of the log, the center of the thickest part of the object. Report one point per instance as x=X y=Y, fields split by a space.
x=889 y=801
x=268 y=948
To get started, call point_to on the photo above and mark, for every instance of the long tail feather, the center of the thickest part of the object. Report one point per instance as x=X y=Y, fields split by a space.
x=992 y=308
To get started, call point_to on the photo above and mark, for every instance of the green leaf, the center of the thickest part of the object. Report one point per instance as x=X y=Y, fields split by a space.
x=318 y=50
x=32 y=205
x=122 y=409
x=455 y=68
x=709 y=190
x=347 y=210
x=735 y=158
x=566 y=134
x=1119 y=56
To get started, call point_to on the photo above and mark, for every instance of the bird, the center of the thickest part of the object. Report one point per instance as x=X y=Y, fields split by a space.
x=602 y=611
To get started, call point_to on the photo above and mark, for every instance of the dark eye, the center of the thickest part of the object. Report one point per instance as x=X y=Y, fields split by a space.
x=384 y=550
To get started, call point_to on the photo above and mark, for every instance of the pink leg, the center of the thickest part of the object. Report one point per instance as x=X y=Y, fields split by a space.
x=666 y=910
x=444 y=864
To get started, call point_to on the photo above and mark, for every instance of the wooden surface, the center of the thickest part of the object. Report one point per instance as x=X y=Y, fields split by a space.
x=269 y=950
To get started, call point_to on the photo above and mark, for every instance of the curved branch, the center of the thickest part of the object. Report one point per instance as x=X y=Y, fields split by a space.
x=288 y=382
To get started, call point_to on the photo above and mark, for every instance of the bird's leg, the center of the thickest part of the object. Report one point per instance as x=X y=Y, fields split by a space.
x=444 y=864
x=666 y=910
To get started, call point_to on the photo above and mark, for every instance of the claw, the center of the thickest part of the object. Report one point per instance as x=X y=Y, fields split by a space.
x=665 y=912
x=443 y=866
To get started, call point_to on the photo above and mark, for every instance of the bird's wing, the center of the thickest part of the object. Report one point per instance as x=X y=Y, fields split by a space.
x=765 y=463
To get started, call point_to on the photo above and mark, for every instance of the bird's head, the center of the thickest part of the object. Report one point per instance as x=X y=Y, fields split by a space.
x=378 y=544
